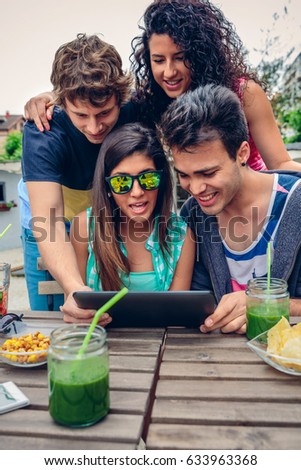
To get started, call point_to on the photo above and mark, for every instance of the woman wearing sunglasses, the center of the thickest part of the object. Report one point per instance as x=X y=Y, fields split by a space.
x=130 y=237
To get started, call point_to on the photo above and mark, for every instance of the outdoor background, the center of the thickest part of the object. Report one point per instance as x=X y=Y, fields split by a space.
x=31 y=32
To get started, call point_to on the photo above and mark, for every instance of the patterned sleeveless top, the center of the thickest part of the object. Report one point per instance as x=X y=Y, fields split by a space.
x=160 y=279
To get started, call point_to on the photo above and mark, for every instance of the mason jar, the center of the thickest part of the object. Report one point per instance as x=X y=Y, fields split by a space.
x=78 y=383
x=4 y=286
x=267 y=303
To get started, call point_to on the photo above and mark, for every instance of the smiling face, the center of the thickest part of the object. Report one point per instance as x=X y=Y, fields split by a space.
x=95 y=122
x=210 y=175
x=137 y=205
x=168 y=67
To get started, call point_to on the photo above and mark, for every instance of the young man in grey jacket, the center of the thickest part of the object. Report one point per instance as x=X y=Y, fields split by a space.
x=234 y=211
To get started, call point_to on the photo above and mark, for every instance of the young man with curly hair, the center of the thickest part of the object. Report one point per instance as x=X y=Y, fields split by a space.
x=90 y=88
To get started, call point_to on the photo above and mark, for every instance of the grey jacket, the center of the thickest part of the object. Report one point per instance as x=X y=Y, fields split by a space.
x=211 y=268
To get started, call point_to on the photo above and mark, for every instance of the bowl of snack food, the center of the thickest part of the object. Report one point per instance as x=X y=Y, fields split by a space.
x=280 y=347
x=29 y=348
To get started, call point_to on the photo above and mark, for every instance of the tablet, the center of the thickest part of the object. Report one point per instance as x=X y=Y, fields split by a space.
x=152 y=309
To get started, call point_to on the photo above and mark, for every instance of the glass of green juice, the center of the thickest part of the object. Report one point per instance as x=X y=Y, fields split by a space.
x=78 y=384
x=4 y=285
x=267 y=302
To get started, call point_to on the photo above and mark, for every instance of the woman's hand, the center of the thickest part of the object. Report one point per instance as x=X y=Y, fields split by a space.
x=229 y=316
x=40 y=109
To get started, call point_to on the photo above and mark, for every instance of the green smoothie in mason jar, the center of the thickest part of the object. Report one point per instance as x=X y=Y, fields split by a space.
x=82 y=401
x=267 y=303
x=78 y=384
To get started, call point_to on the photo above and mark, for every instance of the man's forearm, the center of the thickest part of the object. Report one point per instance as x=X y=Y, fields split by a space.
x=60 y=259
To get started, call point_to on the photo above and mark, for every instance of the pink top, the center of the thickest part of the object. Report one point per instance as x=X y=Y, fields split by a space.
x=255 y=160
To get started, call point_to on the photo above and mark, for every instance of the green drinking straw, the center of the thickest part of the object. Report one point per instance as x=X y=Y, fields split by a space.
x=269 y=266
x=5 y=230
x=97 y=316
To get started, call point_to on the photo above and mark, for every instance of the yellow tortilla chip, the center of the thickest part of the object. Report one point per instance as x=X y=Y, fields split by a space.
x=275 y=336
x=292 y=348
x=285 y=340
x=296 y=329
x=291 y=332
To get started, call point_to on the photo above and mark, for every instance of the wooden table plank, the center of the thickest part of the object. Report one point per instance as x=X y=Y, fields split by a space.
x=130 y=402
x=244 y=390
x=225 y=413
x=132 y=347
x=31 y=423
x=216 y=371
x=183 y=436
x=38 y=377
x=41 y=315
x=208 y=341
x=132 y=363
x=51 y=443
x=201 y=353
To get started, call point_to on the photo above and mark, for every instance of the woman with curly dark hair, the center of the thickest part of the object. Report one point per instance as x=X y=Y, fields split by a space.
x=189 y=43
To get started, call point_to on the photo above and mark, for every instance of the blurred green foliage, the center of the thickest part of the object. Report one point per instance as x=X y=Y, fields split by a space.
x=271 y=71
x=12 y=147
x=286 y=111
x=292 y=120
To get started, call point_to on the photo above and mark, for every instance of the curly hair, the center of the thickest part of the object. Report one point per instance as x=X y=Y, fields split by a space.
x=89 y=69
x=212 y=49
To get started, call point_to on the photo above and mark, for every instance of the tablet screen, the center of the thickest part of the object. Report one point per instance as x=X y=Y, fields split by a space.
x=152 y=309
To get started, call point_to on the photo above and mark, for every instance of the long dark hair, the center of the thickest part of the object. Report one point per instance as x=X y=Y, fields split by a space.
x=212 y=50
x=117 y=146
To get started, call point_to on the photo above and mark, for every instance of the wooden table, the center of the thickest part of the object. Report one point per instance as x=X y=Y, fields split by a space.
x=134 y=356
x=174 y=389
x=213 y=392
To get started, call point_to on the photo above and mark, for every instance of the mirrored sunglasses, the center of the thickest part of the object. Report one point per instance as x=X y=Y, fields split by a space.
x=11 y=323
x=122 y=184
